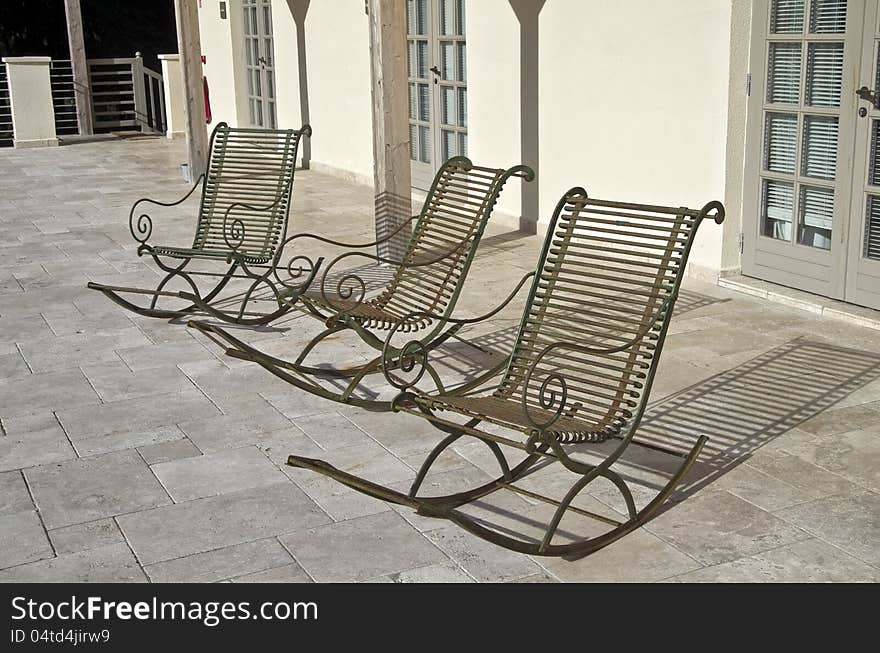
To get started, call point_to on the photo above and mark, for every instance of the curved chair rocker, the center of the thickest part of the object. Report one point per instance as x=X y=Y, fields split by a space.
x=242 y=219
x=580 y=372
x=428 y=279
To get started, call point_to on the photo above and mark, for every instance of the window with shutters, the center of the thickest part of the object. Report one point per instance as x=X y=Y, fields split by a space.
x=259 y=59
x=437 y=67
x=801 y=120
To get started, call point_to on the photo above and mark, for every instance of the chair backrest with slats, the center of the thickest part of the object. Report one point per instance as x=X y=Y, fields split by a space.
x=446 y=236
x=247 y=190
x=605 y=289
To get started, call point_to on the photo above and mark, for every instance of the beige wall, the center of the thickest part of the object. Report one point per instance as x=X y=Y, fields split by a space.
x=634 y=102
x=630 y=99
x=493 y=46
x=223 y=55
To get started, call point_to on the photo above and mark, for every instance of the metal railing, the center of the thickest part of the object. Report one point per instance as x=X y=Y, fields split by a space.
x=63 y=97
x=125 y=93
x=5 y=111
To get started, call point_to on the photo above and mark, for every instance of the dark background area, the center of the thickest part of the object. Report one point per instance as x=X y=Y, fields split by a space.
x=111 y=28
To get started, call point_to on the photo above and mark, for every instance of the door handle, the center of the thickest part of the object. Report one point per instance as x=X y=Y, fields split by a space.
x=867 y=95
x=435 y=70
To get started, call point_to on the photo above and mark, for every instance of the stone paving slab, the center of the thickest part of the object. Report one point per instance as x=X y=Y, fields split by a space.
x=77 y=491
x=133 y=449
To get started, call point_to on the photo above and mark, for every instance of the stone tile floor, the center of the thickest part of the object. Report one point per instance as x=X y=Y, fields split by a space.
x=133 y=450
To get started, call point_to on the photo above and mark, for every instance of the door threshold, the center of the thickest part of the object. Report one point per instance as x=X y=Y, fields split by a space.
x=857 y=315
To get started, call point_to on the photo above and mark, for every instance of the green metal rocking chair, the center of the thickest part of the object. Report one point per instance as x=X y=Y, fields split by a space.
x=429 y=279
x=242 y=223
x=580 y=373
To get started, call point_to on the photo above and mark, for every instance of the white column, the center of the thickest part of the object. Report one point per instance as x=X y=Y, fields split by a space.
x=175 y=98
x=30 y=94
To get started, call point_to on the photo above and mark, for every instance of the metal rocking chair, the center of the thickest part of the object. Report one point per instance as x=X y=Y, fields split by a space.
x=428 y=278
x=580 y=373
x=242 y=220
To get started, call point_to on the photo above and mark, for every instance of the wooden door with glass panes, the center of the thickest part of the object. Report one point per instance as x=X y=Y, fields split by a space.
x=863 y=260
x=259 y=60
x=436 y=59
x=801 y=129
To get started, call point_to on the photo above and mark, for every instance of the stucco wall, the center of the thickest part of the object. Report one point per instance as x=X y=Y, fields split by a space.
x=628 y=99
x=634 y=103
x=222 y=60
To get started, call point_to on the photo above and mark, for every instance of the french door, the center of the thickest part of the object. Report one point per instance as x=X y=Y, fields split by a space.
x=809 y=209
x=437 y=65
x=259 y=60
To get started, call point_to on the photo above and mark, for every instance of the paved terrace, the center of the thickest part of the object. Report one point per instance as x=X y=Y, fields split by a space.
x=134 y=450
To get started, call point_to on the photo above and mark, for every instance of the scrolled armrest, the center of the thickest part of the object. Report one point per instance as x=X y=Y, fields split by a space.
x=330 y=241
x=142 y=228
x=352 y=289
x=234 y=232
x=414 y=353
x=555 y=400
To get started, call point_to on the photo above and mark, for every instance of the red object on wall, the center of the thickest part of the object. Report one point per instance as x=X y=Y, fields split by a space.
x=207 y=101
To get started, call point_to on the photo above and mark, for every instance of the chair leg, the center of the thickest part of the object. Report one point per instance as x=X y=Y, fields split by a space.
x=446 y=507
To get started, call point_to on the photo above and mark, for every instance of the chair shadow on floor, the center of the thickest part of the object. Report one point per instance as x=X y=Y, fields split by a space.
x=740 y=410
x=748 y=406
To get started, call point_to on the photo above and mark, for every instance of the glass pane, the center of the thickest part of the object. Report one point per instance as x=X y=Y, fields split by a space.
x=421 y=16
x=820 y=147
x=784 y=73
x=249 y=53
x=447 y=72
x=413 y=104
x=255 y=46
x=267 y=49
x=424 y=144
x=777 y=209
x=258 y=89
x=448 y=144
x=462 y=107
x=824 y=74
x=424 y=103
x=271 y=106
x=447 y=105
x=267 y=20
x=462 y=145
x=254 y=23
x=413 y=142
x=259 y=112
x=411 y=58
x=459 y=18
x=270 y=84
x=787 y=17
x=246 y=26
x=250 y=82
x=252 y=112
x=872 y=229
x=447 y=17
x=462 y=61
x=780 y=142
x=816 y=213
x=874 y=166
x=828 y=16
x=422 y=69
x=410 y=17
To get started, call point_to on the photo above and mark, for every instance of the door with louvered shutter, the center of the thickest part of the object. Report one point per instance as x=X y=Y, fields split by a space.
x=800 y=142
x=863 y=268
x=259 y=62
x=437 y=65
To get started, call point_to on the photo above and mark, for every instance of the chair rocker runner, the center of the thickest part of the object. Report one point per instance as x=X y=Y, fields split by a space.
x=428 y=279
x=242 y=222
x=580 y=373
